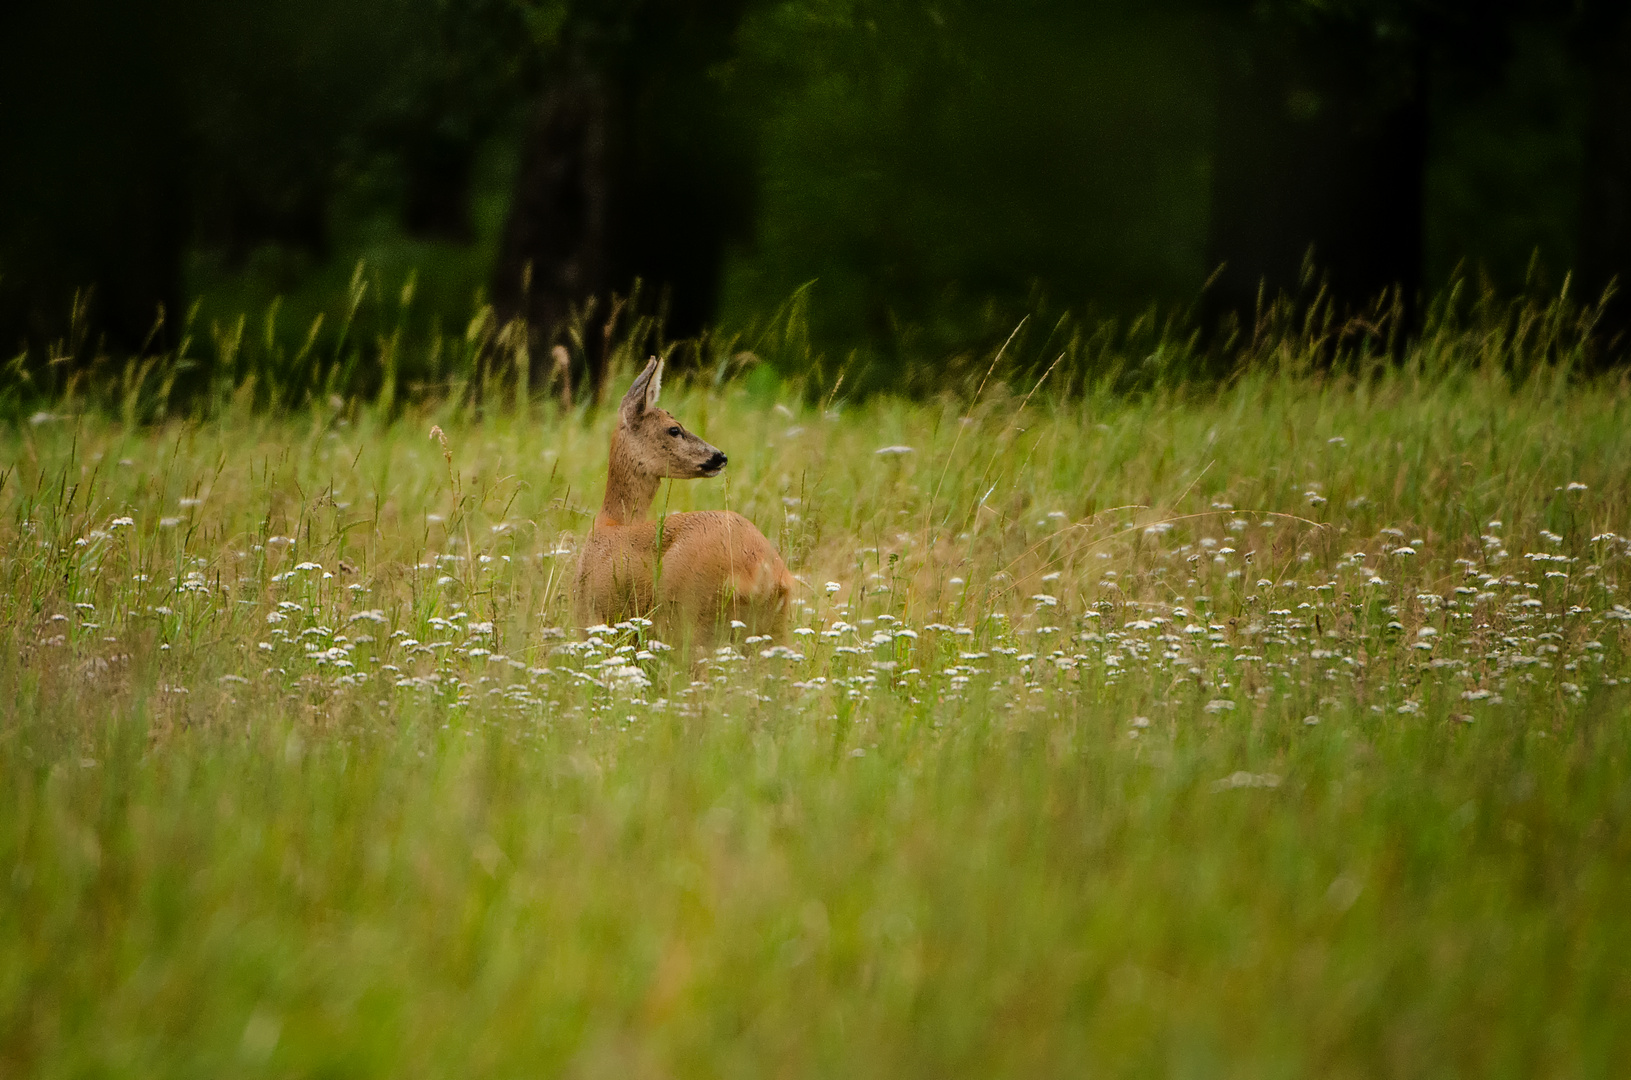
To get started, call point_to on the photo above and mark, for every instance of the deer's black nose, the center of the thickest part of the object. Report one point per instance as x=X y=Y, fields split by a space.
x=715 y=463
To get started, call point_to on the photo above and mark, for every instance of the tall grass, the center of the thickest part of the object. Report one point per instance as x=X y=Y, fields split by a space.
x=1274 y=725
x=374 y=346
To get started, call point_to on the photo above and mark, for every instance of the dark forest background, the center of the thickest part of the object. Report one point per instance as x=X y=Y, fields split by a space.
x=934 y=169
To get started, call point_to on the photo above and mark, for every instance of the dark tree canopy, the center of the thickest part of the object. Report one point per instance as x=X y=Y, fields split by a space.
x=1604 y=259
x=92 y=181
x=936 y=169
x=1323 y=142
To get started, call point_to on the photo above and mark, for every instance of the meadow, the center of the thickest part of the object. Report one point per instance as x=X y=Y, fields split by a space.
x=1275 y=727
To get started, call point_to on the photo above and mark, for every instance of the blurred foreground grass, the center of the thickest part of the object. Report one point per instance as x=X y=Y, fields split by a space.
x=1271 y=730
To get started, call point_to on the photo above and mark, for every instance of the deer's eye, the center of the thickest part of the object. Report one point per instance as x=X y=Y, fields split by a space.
x=674 y=431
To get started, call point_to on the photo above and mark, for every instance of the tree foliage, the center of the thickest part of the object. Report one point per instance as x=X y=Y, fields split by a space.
x=935 y=167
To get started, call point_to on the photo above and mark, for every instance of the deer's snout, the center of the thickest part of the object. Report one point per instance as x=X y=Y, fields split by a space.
x=714 y=464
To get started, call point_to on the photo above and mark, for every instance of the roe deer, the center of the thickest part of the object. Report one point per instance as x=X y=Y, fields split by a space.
x=691 y=570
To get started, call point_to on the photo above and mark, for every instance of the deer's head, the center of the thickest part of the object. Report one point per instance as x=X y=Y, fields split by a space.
x=654 y=443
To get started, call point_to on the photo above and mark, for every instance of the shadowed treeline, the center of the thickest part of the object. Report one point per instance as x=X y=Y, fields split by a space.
x=937 y=170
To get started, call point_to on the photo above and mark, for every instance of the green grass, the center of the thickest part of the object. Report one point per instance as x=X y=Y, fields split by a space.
x=1207 y=732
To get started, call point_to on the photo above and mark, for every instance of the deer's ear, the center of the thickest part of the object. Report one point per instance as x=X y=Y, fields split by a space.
x=654 y=385
x=642 y=395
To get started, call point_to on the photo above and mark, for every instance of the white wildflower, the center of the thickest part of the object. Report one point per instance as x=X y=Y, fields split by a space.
x=781 y=652
x=1245 y=779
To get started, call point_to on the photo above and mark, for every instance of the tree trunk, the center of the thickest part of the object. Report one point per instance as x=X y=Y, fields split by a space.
x=556 y=250
x=1321 y=152
x=636 y=168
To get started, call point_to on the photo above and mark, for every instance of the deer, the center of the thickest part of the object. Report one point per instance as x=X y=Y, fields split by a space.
x=690 y=572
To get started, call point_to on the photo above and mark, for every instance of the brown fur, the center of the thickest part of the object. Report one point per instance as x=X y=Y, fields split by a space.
x=691 y=572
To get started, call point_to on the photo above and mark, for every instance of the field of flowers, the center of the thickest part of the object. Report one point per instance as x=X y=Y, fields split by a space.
x=1277 y=729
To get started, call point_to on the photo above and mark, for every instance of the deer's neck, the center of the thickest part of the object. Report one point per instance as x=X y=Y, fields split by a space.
x=629 y=489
